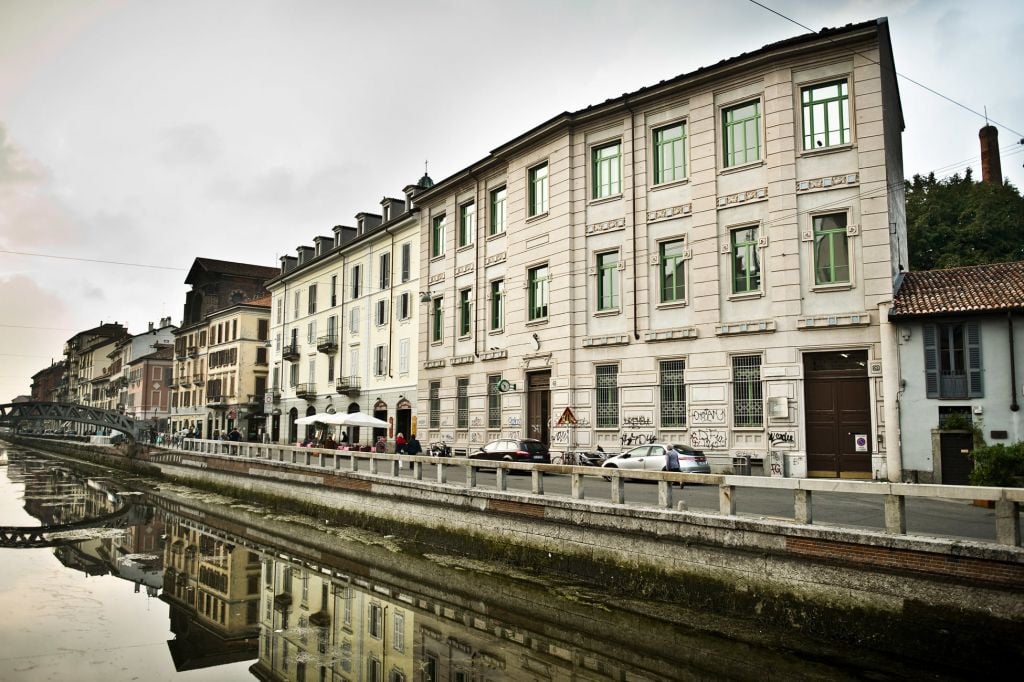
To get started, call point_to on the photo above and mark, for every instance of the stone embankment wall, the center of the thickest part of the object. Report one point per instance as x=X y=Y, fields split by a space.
x=860 y=586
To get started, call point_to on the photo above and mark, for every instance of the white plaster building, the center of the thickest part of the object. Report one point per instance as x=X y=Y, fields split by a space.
x=344 y=324
x=701 y=261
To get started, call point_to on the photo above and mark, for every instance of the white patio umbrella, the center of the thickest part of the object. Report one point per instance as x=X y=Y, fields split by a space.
x=360 y=419
x=320 y=417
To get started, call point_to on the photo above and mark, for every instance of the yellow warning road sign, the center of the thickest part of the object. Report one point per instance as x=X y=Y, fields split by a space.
x=567 y=418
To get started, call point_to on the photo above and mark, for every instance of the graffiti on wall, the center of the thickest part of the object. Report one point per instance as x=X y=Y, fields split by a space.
x=637 y=421
x=634 y=438
x=709 y=439
x=707 y=415
x=782 y=439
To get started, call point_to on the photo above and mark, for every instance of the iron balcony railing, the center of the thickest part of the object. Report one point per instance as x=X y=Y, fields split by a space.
x=305 y=390
x=327 y=344
x=348 y=385
x=290 y=352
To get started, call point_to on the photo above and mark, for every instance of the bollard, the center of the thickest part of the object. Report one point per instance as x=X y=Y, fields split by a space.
x=470 y=476
x=802 y=512
x=501 y=479
x=727 y=500
x=895 y=515
x=537 y=482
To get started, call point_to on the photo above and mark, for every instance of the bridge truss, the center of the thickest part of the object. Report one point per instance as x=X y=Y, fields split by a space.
x=14 y=414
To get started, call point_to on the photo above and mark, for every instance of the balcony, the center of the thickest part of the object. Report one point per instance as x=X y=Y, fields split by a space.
x=197 y=379
x=327 y=344
x=193 y=351
x=952 y=385
x=307 y=391
x=215 y=401
x=348 y=385
x=184 y=381
x=290 y=352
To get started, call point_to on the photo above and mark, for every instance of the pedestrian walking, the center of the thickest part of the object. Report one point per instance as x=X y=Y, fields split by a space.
x=672 y=461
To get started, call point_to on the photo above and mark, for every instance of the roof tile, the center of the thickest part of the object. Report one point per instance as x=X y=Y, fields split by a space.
x=972 y=289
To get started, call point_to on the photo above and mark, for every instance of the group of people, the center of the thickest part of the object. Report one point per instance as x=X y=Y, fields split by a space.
x=409 y=446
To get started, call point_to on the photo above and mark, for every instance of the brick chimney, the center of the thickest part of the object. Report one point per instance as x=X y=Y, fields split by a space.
x=991 y=170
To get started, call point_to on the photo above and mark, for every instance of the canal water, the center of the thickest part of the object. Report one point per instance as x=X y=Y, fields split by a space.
x=178 y=584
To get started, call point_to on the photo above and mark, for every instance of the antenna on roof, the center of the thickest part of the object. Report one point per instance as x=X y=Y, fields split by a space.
x=425 y=168
x=986 y=114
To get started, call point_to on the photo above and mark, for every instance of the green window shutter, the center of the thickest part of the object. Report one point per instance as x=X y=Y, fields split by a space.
x=975 y=385
x=931 y=361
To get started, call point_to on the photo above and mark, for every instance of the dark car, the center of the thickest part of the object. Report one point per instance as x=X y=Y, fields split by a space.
x=514 y=450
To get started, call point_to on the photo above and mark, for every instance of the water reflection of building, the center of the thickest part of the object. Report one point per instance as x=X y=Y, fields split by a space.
x=212 y=587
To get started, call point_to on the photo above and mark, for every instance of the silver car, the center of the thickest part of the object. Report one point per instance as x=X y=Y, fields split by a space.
x=652 y=458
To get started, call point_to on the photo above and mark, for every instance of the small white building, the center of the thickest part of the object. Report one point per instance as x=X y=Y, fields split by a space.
x=959 y=334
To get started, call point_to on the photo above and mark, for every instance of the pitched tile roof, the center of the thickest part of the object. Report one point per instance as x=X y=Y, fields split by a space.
x=972 y=289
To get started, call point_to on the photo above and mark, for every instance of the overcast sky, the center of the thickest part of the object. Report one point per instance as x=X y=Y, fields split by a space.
x=151 y=133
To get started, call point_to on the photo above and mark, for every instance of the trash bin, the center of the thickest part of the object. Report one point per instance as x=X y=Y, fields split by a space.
x=741 y=465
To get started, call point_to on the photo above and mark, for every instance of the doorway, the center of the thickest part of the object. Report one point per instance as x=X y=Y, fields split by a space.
x=538 y=406
x=403 y=418
x=955 y=453
x=837 y=398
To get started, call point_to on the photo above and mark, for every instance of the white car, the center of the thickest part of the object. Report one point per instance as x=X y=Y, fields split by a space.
x=652 y=458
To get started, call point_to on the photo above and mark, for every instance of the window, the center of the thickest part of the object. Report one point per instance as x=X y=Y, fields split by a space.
x=311 y=332
x=280 y=310
x=831 y=249
x=376 y=624
x=467 y=223
x=262 y=330
x=385 y=270
x=497 y=304
x=330 y=370
x=670 y=153
x=311 y=308
x=462 y=415
x=295 y=308
x=293 y=374
x=538 y=189
x=607 y=396
x=826 y=114
x=404 y=306
x=952 y=360
x=741 y=129
x=673 y=394
x=437 y=320
x=747 y=405
x=357 y=280
x=608 y=281
x=398 y=637
x=746 y=268
x=537 y=282
x=403 y=356
x=406 y=262
x=353 y=321
x=334 y=290
x=606 y=170
x=382 y=312
x=465 y=312
x=435 y=404
x=493 y=402
x=672 y=284
x=437 y=237
x=380 y=361
x=498 y=214
x=374 y=670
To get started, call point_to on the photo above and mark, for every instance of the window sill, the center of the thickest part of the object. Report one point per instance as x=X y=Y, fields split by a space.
x=670 y=305
x=748 y=428
x=819 y=151
x=604 y=200
x=611 y=312
x=746 y=296
x=438 y=257
x=464 y=247
x=535 y=218
x=537 y=322
x=495 y=235
x=827 y=288
x=494 y=332
x=670 y=185
x=742 y=167
x=465 y=337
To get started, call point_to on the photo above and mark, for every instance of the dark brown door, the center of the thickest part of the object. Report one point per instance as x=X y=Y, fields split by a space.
x=838 y=412
x=955 y=450
x=538 y=406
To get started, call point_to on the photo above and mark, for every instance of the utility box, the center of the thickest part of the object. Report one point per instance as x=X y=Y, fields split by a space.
x=741 y=465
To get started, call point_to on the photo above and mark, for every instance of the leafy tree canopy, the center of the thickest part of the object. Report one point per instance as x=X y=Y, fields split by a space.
x=958 y=221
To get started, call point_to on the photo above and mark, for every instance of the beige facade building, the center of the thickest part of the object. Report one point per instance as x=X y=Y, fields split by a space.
x=220 y=359
x=345 y=324
x=701 y=261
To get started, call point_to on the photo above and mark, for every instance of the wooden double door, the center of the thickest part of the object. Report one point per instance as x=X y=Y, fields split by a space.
x=837 y=400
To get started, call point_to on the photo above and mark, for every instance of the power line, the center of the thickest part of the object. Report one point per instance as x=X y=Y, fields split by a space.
x=919 y=84
x=93 y=260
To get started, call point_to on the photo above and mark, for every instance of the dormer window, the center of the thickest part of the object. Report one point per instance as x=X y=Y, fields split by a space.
x=387 y=211
x=360 y=225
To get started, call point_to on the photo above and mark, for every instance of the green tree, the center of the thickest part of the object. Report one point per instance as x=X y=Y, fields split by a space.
x=958 y=221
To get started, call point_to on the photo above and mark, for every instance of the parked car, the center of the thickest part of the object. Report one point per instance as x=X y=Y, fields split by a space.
x=652 y=458
x=514 y=450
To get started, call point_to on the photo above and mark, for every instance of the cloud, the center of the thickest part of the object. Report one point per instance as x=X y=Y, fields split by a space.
x=190 y=144
x=15 y=167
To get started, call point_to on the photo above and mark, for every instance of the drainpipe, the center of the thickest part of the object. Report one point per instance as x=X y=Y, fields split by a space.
x=477 y=270
x=891 y=382
x=1014 y=406
x=391 y=301
x=572 y=440
x=632 y=210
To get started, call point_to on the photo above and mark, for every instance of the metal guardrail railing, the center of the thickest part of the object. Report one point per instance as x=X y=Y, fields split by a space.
x=1007 y=500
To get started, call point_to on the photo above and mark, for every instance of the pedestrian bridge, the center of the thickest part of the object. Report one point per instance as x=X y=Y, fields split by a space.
x=14 y=415
x=28 y=537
